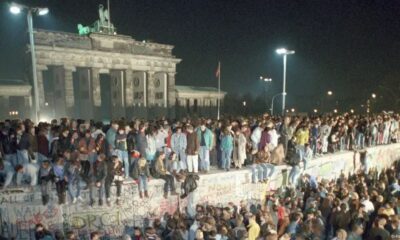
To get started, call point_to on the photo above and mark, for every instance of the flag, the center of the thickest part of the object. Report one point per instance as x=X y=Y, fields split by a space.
x=218 y=72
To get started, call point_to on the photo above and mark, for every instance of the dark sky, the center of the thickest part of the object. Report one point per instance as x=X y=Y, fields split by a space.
x=347 y=46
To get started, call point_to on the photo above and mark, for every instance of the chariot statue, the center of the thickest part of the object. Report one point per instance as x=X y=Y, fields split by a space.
x=102 y=25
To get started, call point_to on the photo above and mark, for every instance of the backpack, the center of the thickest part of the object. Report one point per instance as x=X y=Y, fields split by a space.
x=189 y=185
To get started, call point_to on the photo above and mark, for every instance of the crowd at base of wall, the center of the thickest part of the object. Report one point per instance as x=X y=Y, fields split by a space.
x=20 y=211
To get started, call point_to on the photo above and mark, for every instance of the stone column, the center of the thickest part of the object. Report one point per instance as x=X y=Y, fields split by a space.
x=27 y=106
x=117 y=93
x=59 y=106
x=39 y=75
x=96 y=87
x=171 y=94
x=171 y=89
x=84 y=103
x=128 y=88
x=150 y=88
x=69 y=87
x=5 y=107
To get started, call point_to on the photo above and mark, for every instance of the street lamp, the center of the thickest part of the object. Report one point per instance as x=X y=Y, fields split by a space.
x=315 y=110
x=265 y=79
x=373 y=96
x=16 y=9
x=272 y=102
x=329 y=93
x=284 y=52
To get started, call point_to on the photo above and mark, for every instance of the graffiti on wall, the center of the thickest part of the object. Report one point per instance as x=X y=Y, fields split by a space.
x=17 y=218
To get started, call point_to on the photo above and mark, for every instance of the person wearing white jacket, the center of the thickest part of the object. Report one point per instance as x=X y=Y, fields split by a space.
x=239 y=148
x=27 y=171
x=178 y=145
x=256 y=136
x=151 y=149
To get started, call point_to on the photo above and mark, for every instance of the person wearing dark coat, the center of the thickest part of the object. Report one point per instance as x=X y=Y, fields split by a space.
x=46 y=178
x=8 y=145
x=141 y=173
x=141 y=141
x=98 y=178
x=115 y=174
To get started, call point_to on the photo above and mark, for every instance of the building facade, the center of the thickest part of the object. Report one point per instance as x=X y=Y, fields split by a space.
x=103 y=76
x=15 y=99
x=197 y=101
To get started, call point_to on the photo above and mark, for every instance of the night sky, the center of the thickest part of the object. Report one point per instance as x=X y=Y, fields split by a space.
x=347 y=46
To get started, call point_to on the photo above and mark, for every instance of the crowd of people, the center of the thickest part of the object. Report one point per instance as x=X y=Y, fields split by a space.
x=363 y=205
x=76 y=154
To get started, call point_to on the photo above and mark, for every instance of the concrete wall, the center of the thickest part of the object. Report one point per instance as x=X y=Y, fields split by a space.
x=19 y=212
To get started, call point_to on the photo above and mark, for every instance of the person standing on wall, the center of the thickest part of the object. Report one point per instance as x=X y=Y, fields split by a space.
x=110 y=138
x=73 y=171
x=115 y=174
x=226 y=148
x=23 y=146
x=293 y=157
x=46 y=178
x=43 y=144
x=141 y=174
x=239 y=149
x=192 y=150
x=8 y=145
x=87 y=145
x=205 y=138
x=121 y=148
x=178 y=145
x=98 y=178
x=140 y=140
x=60 y=180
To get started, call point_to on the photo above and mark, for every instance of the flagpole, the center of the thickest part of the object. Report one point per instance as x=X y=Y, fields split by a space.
x=219 y=89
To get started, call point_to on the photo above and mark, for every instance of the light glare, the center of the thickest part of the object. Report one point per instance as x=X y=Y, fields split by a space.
x=15 y=9
x=43 y=11
x=281 y=51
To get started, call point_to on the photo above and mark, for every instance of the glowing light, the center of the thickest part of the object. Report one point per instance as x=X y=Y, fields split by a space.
x=329 y=93
x=284 y=51
x=315 y=110
x=292 y=110
x=373 y=95
x=335 y=110
x=15 y=9
x=43 y=11
x=352 y=110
